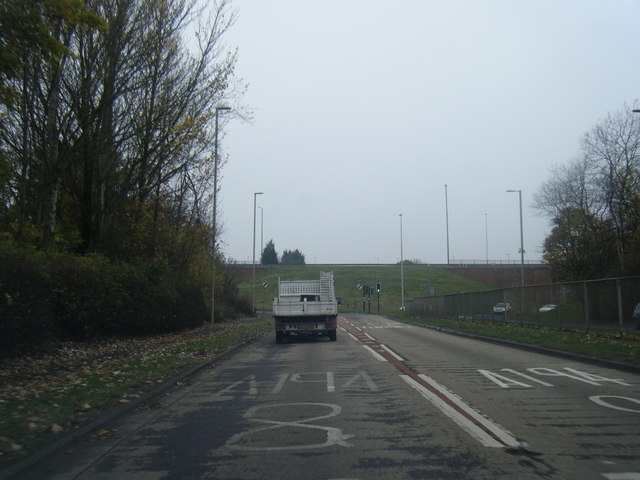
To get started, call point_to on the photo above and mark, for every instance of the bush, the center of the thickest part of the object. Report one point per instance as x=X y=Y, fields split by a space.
x=63 y=296
x=96 y=296
x=26 y=314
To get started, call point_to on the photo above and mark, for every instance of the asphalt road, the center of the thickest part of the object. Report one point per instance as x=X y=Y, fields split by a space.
x=386 y=401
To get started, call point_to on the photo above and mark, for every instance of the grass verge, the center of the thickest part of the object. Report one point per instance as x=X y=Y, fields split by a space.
x=598 y=344
x=44 y=398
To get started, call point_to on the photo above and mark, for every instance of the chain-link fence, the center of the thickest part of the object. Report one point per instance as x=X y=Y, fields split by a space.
x=605 y=303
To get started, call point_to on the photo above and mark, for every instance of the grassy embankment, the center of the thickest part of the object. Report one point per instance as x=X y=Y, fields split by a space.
x=606 y=345
x=416 y=278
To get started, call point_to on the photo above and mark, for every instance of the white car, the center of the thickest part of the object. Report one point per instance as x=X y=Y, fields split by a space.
x=548 y=308
x=501 y=308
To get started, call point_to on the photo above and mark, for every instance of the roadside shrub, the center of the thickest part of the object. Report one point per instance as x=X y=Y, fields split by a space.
x=26 y=314
x=52 y=297
x=95 y=296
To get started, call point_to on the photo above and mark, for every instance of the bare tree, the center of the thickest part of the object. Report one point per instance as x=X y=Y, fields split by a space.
x=597 y=192
x=614 y=146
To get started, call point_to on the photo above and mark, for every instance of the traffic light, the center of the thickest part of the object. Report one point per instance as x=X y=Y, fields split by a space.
x=378 y=287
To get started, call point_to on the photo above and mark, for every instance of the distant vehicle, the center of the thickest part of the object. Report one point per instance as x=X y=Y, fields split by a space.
x=636 y=316
x=501 y=308
x=306 y=308
x=548 y=308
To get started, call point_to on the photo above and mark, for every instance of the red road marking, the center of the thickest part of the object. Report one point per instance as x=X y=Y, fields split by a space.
x=406 y=370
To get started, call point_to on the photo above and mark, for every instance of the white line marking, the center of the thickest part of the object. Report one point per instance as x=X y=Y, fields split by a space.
x=497 y=430
x=502 y=381
x=472 y=428
x=280 y=384
x=555 y=373
x=395 y=355
x=334 y=435
x=370 y=336
x=331 y=384
x=375 y=354
x=468 y=426
x=529 y=377
x=362 y=375
x=599 y=400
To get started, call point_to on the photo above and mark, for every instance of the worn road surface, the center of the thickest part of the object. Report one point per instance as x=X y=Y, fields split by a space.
x=388 y=400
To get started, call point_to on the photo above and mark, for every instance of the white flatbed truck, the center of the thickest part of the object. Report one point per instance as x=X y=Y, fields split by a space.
x=306 y=308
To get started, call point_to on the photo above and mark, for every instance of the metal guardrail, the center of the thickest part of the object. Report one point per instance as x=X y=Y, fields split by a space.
x=602 y=304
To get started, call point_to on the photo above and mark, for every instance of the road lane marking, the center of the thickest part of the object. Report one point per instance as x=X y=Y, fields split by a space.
x=367 y=379
x=529 y=377
x=597 y=378
x=506 y=382
x=375 y=354
x=365 y=340
x=395 y=355
x=311 y=377
x=468 y=426
x=579 y=375
x=280 y=384
x=556 y=373
x=599 y=400
x=250 y=380
x=334 y=435
x=482 y=420
x=480 y=427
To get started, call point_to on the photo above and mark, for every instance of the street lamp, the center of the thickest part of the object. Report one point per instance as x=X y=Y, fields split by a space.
x=519 y=192
x=214 y=231
x=486 y=237
x=261 y=233
x=401 y=269
x=253 y=287
x=446 y=210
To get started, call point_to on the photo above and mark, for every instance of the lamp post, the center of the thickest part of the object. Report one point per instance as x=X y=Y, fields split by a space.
x=253 y=286
x=401 y=269
x=486 y=237
x=261 y=233
x=446 y=210
x=519 y=192
x=214 y=227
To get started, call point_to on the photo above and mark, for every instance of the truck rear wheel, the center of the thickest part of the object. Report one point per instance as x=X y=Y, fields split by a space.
x=332 y=335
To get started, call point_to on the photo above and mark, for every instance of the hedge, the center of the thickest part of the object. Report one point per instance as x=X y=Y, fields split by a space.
x=46 y=298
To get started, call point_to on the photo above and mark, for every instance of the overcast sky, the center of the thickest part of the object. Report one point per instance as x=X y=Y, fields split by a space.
x=366 y=109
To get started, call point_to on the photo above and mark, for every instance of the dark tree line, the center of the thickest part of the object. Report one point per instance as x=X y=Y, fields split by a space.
x=107 y=119
x=107 y=124
x=289 y=257
x=594 y=203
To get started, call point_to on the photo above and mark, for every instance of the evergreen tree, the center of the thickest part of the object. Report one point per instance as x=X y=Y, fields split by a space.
x=292 y=257
x=269 y=255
